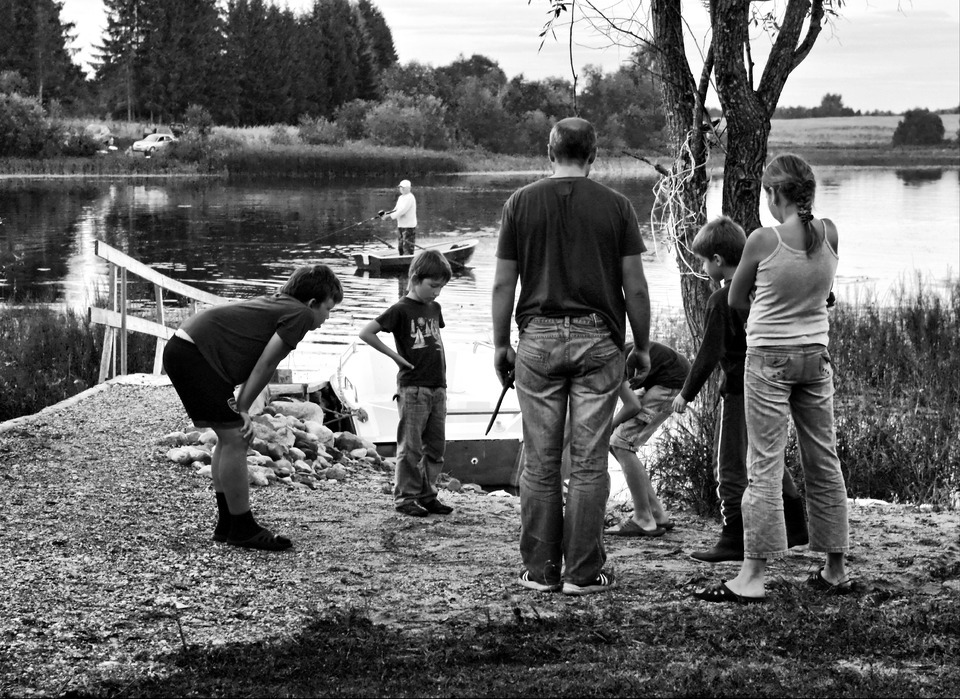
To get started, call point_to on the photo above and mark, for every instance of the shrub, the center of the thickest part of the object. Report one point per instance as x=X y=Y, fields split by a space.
x=403 y=121
x=320 y=131
x=47 y=355
x=79 y=144
x=898 y=400
x=351 y=118
x=281 y=135
x=199 y=120
x=919 y=127
x=24 y=129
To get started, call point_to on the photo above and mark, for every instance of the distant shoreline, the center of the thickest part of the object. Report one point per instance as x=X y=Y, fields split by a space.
x=861 y=141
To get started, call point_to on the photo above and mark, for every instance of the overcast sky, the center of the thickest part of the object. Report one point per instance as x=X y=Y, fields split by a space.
x=880 y=54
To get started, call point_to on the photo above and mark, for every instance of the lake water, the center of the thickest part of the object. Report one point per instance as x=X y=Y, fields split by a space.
x=240 y=239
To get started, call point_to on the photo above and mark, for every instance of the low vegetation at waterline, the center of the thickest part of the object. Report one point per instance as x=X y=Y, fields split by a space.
x=283 y=151
x=48 y=355
x=897 y=402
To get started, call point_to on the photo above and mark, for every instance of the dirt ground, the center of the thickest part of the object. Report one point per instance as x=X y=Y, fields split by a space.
x=108 y=563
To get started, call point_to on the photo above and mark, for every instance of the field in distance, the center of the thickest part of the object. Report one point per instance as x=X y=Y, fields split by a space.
x=846 y=131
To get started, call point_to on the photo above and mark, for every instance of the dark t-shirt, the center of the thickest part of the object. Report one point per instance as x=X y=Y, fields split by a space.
x=416 y=331
x=232 y=337
x=568 y=236
x=668 y=368
x=724 y=343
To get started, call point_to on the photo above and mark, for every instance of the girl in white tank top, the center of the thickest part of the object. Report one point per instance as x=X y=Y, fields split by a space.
x=784 y=279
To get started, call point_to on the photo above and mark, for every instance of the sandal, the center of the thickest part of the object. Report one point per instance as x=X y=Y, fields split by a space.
x=264 y=540
x=719 y=592
x=821 y=584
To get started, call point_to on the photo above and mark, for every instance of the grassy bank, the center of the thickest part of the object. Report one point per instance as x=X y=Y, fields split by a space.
x=276 y=151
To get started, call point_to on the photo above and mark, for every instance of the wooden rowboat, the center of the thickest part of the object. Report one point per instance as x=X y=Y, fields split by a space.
x=366 y=380
x=391 y=261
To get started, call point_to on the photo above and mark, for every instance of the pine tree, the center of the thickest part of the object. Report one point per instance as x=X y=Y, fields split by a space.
x=33 y=43
x=378 y=35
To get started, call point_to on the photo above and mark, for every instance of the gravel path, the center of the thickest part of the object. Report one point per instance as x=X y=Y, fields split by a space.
x=107 y=564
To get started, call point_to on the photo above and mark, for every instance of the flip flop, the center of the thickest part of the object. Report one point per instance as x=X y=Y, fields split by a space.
x=667 y=526
x=719 y=592
x=821 y=584
x=631 y=528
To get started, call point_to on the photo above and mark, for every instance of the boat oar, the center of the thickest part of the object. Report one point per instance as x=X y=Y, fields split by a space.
x=496 y=411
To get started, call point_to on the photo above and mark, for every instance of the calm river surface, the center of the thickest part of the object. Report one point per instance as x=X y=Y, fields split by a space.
x=240 y=239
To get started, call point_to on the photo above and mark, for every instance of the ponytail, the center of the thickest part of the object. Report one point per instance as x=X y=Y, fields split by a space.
x=792 y=177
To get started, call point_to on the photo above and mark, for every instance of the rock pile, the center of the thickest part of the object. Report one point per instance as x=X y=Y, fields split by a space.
x=291 y=445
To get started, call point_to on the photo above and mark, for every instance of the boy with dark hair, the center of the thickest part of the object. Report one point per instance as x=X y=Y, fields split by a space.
x=415 y=322
x=242 y=343
x=719 y=245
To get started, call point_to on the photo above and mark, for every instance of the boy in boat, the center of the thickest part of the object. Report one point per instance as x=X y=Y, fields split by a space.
x=647 y=403
x=415 y=322
x=242 y=343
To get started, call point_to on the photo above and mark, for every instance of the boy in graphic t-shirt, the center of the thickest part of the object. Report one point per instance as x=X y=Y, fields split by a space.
x=415 y=322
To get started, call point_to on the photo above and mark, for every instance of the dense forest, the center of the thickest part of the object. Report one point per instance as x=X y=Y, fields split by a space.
x=251 y=62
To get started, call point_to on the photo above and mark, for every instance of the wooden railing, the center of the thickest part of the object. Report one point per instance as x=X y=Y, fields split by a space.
x=119 y=323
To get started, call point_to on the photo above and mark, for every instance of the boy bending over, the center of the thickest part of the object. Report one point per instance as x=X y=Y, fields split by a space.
x=242 y=343
x=647 y=403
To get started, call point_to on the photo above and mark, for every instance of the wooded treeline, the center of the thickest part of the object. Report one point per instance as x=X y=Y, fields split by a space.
x=333 y=68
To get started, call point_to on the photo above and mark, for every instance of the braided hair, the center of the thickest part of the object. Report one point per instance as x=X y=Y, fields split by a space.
x=791 y=176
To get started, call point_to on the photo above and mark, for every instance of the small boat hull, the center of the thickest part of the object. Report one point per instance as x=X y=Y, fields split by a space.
x=457 y=253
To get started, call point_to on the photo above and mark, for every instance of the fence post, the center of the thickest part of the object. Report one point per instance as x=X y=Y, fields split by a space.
x=123 y=321
x=107 y=356
x=161 y=343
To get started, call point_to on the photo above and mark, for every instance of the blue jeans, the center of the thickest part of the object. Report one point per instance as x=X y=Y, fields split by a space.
x=780 y=382
x=421 y=440
x=565 y=363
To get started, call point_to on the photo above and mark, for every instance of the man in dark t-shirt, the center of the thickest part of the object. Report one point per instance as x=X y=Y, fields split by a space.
x=574 y=246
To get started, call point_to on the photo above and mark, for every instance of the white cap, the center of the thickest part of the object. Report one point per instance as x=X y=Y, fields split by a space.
x=404 y=183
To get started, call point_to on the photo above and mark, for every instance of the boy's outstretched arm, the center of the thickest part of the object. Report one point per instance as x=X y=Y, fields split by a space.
x=631 y=405
x=271 y=357
x=369 y=335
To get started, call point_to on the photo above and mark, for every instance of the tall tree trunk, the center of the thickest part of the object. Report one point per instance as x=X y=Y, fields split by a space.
x=683 y=193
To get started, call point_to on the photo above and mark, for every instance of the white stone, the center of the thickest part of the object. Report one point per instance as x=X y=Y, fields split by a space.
x=303 y=410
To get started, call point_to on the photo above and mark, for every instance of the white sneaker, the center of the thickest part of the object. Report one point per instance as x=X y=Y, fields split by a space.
x=531 y=584
x=604 y=582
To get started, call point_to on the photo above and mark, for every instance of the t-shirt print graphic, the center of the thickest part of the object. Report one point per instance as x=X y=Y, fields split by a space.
x=421 y=329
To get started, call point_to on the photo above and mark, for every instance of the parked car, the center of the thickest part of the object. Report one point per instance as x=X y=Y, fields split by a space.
x=152 y=143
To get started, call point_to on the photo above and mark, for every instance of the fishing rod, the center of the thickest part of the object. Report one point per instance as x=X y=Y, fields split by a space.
x=339 y=230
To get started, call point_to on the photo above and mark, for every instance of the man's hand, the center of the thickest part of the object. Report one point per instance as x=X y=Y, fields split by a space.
x=679 y=404
x=639 y=364
x=504 y=362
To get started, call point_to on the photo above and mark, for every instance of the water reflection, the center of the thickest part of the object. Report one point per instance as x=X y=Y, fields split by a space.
x=919 y=176
x=239 y=239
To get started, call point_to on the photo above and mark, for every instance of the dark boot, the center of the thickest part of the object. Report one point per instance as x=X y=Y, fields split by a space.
x=794 y=514
x=729 y=546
